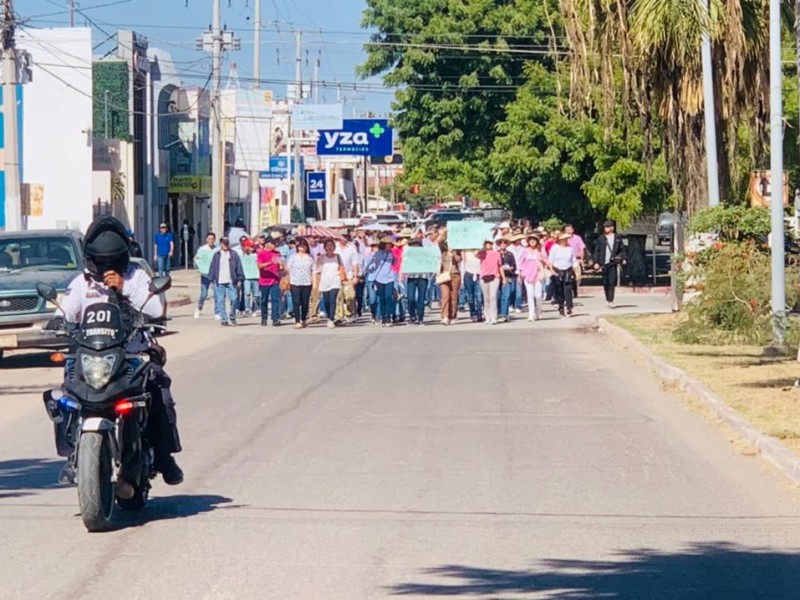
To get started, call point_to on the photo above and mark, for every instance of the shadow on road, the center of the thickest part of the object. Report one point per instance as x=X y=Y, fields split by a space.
x=29 y=474
x=175 y=507
x=714 y=570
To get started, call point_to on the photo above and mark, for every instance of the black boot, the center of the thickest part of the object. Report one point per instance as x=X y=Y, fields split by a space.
x=170 y=471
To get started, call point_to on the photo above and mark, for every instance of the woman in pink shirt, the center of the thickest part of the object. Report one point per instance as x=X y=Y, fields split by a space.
x=492 y=277
x=532 y=270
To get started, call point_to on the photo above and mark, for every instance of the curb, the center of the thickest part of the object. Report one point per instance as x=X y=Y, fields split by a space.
x=768 y=448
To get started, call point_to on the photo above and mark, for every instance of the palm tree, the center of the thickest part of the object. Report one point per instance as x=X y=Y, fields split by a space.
x=654 y=45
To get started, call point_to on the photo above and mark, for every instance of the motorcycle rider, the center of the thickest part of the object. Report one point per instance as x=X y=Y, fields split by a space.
x=106 y=251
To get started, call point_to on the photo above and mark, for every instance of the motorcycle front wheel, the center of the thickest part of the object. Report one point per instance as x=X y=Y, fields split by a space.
x=95 y=485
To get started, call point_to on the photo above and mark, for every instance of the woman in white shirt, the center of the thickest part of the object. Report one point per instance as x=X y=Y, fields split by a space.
x=330 y=274
x=301 y=278
x=562 y=261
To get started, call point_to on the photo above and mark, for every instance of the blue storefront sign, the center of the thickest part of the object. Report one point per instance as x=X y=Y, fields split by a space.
x=316 y=188
x=362 y=137
x=278 y=168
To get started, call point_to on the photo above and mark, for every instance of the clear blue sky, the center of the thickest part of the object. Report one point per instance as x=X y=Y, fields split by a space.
x=331 y=32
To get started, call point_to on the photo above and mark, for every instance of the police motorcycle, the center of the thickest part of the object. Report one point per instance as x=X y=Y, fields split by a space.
x=100 y=414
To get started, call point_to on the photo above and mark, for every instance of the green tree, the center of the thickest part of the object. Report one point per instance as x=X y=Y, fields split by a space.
x=457 y=64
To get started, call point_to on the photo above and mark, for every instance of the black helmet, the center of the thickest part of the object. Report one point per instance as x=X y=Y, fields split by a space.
x=106 y=247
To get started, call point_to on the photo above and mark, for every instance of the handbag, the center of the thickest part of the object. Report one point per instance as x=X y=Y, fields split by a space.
x=284 y=284
x=487 y=278
x=443 y=278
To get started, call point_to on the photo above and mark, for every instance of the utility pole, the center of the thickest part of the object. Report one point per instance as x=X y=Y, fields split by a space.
x=13 y=200
x=71 y=13
x=776 y=167
x=255 y=185
x=710 y=113
x=298 y=82
x=218 y=148
x=316 y=80
x=215 y=40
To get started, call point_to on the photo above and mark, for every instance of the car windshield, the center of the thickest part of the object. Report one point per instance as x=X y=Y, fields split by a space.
x=38 y=253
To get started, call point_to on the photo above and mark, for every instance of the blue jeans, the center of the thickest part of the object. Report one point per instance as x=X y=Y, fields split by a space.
x=472 y=288
x=222 y=292
x=271 y=293
x=519 y=293
x=417 y=290
x=372 y=300
x=330 y=301
x=434 y=293
x=249 y=296
x=163 y=265
x=205 y=286
x=386 y=303
x=505 y=296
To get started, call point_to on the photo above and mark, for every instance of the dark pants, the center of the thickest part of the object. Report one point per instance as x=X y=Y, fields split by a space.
x=417 y=292
x=329 y=297
x=610 y=281
x=386 y=304
x=301 y=297
x=360 y=286
x=563 y=289
x=162 y=425
x=271 y=293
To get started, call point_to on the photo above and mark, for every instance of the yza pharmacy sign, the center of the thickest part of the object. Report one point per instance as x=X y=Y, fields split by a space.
x=362 y=137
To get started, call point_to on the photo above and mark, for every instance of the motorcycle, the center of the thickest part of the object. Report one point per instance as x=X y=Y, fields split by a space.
x=100 y=414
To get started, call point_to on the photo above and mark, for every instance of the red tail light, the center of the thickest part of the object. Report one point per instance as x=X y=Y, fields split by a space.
x=123 y=407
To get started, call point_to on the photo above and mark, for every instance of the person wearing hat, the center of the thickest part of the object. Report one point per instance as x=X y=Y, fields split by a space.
x=399 y=316
x=163 y=249
x=562 y=261
x=609 y=254
x=492 y=277
x=368 y=280
x=383 y=273
x=579 y=249
x=532 y=272
x=503 y=231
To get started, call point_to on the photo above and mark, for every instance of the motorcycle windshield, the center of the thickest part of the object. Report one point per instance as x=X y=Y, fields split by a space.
x=102 y=327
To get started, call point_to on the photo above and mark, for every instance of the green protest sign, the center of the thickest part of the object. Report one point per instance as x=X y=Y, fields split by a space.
x=203 y=259
x=420 y=260
x=250 y=266
x=466 y=235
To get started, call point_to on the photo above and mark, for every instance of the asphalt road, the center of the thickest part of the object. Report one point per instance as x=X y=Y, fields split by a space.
x=471 y=462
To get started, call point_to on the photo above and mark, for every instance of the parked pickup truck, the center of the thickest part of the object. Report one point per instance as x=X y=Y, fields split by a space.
x=27 y=258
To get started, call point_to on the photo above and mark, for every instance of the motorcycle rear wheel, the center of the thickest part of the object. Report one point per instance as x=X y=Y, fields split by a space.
x=95 y=485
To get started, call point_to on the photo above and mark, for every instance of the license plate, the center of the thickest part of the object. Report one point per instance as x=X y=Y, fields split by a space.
x=8 y=341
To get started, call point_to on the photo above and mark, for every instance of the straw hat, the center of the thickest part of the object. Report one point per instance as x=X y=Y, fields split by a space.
x=505 y=239
x=387 y=240
x=564 y=236
x=406 y=233
x=519 y=237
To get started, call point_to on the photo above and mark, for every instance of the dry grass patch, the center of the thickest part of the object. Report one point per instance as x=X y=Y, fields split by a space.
x=760 y=387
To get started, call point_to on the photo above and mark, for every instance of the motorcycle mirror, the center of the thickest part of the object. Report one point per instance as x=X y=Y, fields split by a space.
x=159 y=285
x=48 y=292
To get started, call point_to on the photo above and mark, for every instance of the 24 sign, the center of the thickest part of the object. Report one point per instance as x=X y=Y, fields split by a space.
x=315 y=186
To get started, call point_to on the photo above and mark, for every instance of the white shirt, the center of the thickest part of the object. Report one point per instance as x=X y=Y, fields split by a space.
x=610 y=239
x=83 y=292
x=224 y=267
x=328 y=268
x=562 y=257
x=349 y=256
x=472 y=264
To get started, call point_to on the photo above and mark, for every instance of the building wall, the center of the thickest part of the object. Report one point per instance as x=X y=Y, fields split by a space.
x=57 y=124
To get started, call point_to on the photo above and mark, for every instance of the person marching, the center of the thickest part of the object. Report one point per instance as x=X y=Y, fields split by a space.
x=562 y=261
x=609 y=254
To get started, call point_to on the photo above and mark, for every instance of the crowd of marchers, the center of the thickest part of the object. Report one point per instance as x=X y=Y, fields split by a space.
x=357 y=274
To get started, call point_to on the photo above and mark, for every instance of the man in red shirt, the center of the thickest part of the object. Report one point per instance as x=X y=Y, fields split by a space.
x=269 y=277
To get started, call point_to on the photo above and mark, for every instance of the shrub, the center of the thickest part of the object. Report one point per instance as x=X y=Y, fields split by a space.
x=731 y=223
x=734 y=303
